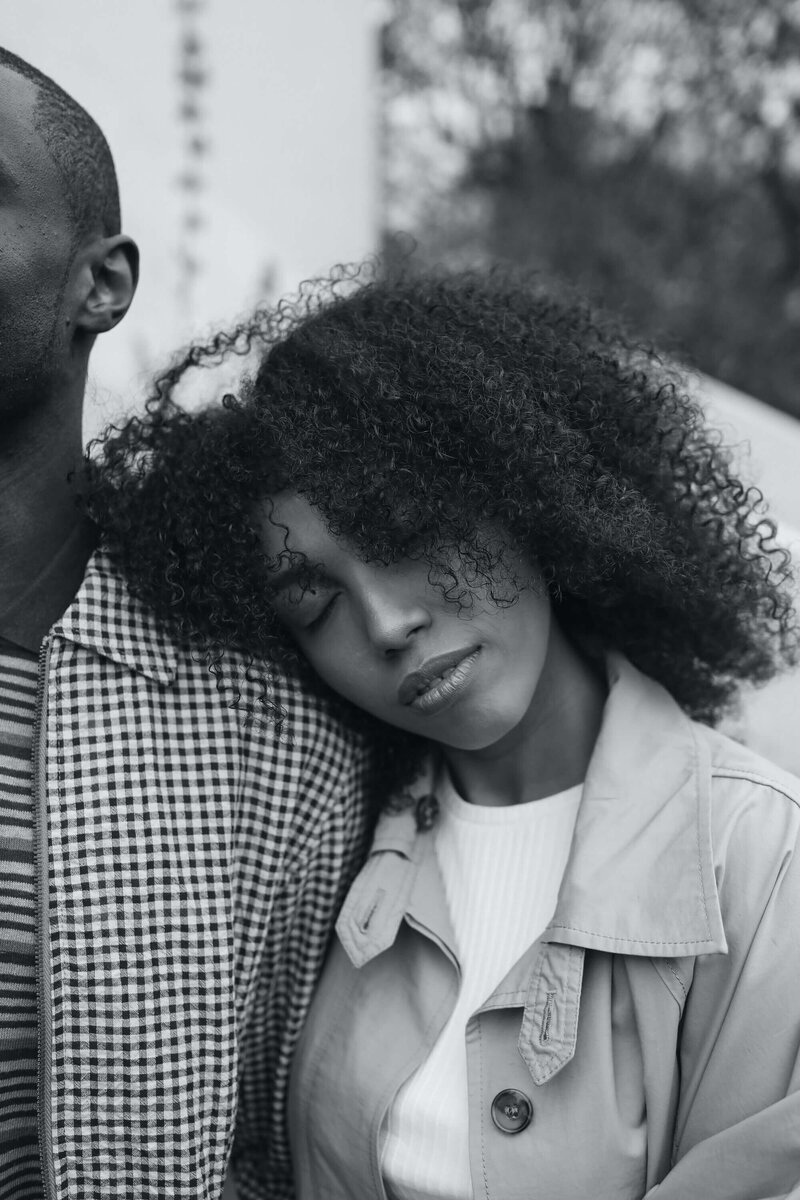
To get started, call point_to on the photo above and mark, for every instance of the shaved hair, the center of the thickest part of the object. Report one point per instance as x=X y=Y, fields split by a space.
x=79 y=151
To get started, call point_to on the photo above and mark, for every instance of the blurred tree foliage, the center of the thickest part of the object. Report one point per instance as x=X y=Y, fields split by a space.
x=646 y=150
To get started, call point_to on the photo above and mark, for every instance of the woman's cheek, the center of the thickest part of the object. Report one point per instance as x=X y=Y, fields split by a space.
x=332 y=665
x=351 y=676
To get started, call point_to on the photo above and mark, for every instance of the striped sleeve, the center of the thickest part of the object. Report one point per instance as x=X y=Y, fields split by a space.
x=20 y=1170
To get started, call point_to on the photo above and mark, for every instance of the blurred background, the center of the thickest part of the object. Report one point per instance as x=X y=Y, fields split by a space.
x=647 y=151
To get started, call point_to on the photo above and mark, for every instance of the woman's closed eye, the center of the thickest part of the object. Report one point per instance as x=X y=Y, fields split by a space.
x=319 y=620
x=305 y=609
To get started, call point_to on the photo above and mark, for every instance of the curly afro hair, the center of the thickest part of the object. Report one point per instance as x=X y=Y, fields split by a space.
x=412 y=410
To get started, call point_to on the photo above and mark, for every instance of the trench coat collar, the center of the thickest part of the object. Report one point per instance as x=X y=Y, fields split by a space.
x=107 y=618
x=640 y=876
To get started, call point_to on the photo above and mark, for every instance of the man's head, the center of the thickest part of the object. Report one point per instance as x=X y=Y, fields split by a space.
x=66 y=271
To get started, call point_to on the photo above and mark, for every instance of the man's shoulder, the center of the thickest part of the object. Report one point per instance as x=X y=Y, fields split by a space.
x=109 y=624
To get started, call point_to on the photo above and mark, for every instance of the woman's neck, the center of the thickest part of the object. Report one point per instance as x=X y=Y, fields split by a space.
x=549 y=750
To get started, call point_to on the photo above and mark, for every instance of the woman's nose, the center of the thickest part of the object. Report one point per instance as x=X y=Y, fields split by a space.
x=393 y=615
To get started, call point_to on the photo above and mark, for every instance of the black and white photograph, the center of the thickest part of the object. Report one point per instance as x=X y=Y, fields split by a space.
x=399 y=594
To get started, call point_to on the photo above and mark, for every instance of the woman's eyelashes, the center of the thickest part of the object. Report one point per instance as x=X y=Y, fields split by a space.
x=322 y=616
x=305 y=609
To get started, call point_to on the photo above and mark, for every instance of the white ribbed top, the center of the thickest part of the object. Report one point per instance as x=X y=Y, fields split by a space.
x=487 y=856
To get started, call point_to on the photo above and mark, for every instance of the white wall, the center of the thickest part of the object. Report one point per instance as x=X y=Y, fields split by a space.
x=768 y=453
x=292 y=166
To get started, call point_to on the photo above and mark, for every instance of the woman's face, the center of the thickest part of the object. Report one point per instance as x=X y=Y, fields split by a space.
x=387 y=639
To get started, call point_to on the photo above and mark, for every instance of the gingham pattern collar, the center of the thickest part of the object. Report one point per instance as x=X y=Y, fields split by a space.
x=106 y=618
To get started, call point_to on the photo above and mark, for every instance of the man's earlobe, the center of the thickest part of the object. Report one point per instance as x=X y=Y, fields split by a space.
x=110 y=273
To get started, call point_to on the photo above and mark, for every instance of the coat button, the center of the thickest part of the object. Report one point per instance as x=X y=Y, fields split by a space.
x=511 y=1111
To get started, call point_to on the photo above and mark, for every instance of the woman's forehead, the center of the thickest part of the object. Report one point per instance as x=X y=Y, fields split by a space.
x=289 y=523
x=295 y=533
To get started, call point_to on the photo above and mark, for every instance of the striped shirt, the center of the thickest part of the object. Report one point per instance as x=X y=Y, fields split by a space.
x=41 y=597
x=20 y=1168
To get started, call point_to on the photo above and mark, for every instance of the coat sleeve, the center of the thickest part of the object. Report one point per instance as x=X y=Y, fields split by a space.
x=737 y=1132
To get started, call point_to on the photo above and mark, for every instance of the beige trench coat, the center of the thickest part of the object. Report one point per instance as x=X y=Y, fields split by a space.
x=653 y=1028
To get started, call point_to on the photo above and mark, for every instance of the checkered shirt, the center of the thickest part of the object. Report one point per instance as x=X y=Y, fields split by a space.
x=195 y=869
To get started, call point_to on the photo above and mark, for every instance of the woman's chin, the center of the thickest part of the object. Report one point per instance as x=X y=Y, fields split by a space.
x=469 y=730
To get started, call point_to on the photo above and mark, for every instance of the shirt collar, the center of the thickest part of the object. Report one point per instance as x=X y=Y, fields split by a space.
x=640 y=877
x=106 y=618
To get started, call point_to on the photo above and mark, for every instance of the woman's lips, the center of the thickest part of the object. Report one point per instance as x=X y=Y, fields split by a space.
x=439 y=681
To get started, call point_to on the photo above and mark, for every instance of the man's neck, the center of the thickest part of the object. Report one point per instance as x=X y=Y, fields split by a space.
x=38 y=510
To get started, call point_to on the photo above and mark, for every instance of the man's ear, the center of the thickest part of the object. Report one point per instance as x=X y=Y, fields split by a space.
x=107 y=278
